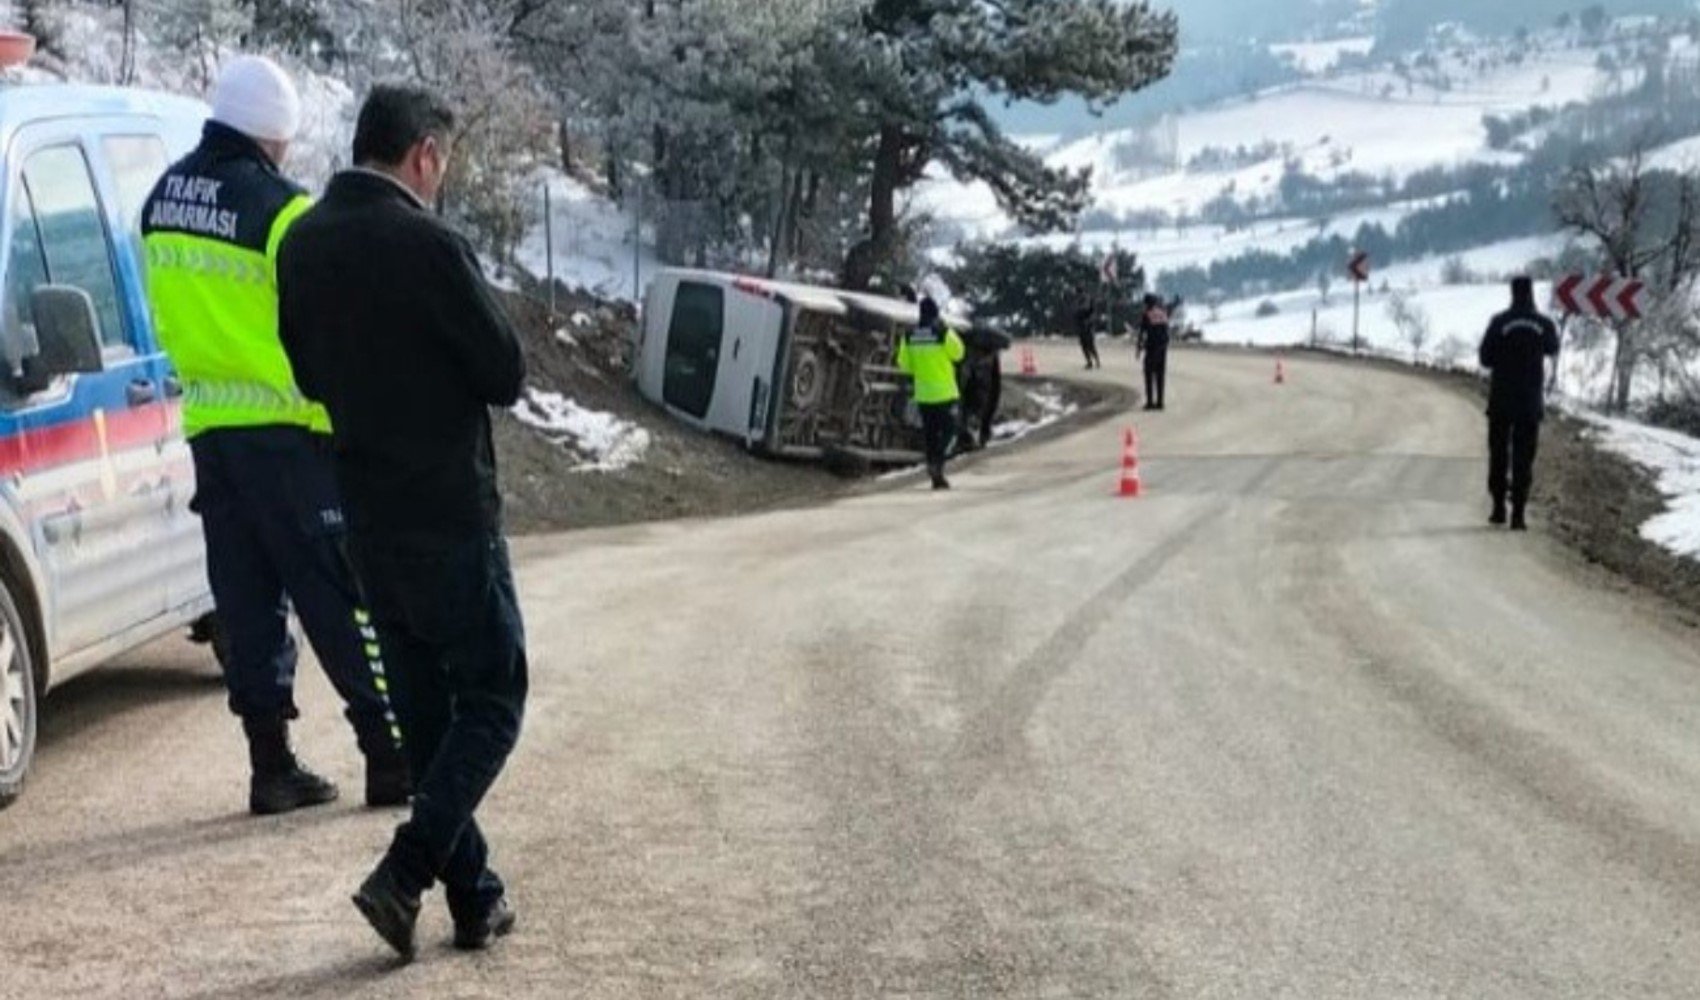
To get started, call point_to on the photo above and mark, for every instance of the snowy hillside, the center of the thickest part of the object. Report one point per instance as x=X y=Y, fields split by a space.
x=1359 y=130
x=1393 y=120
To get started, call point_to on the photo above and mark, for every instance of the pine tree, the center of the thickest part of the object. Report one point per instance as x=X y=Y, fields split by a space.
x=928 y=66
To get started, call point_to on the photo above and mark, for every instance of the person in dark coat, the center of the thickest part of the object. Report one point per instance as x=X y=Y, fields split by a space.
x=389 y=322
x=982 y=387
x=1515 y=350
x=1085 y=327
x=1154 y=348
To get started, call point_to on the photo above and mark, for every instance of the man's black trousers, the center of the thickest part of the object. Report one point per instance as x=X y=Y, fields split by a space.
x=1156 y=374
x=1512 y=446
x=272 y=516
x=938 y=427
x=454 y=645
x=1089 y=347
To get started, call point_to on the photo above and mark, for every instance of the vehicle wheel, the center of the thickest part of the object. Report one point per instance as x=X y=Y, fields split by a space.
x=808 y=381
x=19 y=698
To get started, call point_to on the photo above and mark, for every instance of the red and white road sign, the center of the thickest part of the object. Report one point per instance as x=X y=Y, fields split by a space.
x=1358 y=267
x=1604 y=297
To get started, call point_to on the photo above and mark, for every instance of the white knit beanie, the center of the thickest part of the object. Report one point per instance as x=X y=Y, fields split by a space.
x=255 y=96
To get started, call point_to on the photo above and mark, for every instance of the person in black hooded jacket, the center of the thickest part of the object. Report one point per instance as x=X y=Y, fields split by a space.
x=1515 y=350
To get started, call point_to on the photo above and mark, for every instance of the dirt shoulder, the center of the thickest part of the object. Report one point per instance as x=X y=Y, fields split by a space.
x=1596 y=502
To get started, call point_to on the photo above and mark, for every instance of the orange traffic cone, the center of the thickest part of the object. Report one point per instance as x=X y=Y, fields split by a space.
x=1131 y=487
x=1280 y=370
x=1029 y=364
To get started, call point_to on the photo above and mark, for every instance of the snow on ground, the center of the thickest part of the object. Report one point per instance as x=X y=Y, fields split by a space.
x=1052 y=408
x=1675 y=460
x=1375 y=122
x=604 y=442
x=1320 y=57
x=1166 y=250
x=1681 y=156
x=1457 y=317
x=592 y=239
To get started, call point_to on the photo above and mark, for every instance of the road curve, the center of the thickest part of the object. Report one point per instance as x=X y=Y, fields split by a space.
x=1294 y=725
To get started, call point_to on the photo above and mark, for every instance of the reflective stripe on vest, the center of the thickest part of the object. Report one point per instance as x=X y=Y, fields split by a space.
x=286 y=405
x=215 y=308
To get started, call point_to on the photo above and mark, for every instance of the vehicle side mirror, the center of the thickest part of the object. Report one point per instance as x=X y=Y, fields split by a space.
x=68 y=333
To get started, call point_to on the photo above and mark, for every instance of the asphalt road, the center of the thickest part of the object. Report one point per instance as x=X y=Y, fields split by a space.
x=1294 y=725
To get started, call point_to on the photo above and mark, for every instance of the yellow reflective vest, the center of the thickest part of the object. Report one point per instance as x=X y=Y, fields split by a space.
x=929 y=355
x=211 y=231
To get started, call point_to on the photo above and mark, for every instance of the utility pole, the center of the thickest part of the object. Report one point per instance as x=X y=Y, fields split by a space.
x=1357 y=310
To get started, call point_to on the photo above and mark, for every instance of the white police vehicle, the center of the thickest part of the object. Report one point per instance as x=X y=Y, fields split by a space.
x=99 y=552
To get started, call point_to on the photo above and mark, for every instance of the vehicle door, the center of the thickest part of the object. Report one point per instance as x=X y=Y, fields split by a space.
x=85 y=454
x=132 y=159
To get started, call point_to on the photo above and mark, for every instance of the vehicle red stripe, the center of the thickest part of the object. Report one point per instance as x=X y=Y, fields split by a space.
x=38 y=449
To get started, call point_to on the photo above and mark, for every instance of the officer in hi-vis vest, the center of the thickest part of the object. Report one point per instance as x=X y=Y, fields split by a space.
x=929 y=354
x=265 y=484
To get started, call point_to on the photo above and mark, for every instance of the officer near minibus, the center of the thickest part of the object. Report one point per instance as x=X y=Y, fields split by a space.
x=265 y=484
x=929 y=354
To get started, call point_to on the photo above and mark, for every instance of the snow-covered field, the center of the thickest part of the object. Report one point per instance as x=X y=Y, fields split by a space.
x=1164 y=250
x=1320 y=57
x=1377 y=122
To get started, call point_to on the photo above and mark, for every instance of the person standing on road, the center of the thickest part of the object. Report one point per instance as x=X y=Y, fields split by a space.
x=1154 y=348
x=982 y=387
x=1515 y=350
x=265 y=486
x=1085 y=320
x=389 y=321
x=929 y=354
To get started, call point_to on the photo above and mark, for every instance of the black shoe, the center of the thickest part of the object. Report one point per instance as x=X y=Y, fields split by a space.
x=1497 y=518
x=1518 y=521
x=287 y=791
x=480 y=934
x=941 y=483
x=280 y=784
x=391 y=910
x=388 y=783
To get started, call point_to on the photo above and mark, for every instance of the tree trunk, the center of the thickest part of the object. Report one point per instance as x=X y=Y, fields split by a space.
x=776 y=238
x=882 y=206
x=127 y=60
x=866 y=259
x=1623 y=371
x=794 y=221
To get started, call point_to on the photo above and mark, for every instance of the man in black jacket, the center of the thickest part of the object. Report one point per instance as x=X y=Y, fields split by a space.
x=1515 y=350
x=1154 y=348
x=387 y=320
x=1085 y=327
